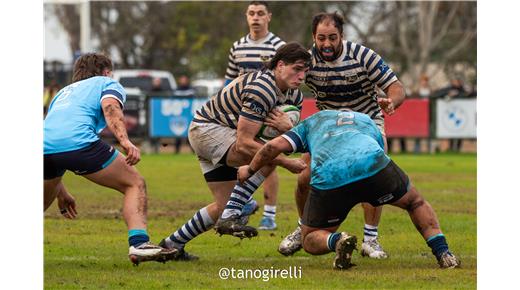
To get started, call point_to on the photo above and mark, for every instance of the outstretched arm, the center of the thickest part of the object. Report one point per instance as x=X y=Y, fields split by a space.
x=265 y=155
x=247 y=146
x=116 y=124
x=395 y=96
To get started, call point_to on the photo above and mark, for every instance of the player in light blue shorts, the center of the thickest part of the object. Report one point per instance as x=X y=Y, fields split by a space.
x=76 y=115
x=349 y=166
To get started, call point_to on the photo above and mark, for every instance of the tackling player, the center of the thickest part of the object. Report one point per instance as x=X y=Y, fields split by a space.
x=76 y=115
x=344 y=75
x=349 y=166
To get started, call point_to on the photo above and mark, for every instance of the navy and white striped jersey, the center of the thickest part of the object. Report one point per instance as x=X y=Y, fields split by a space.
x=249 y=96
x=350 y=81
x=247 y=55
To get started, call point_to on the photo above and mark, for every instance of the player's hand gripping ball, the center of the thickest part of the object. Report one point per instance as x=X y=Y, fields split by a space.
x=267 y=132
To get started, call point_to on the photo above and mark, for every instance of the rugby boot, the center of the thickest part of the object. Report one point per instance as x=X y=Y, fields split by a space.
x=373 y=249
x=292 y=243
x=267 y=224
x=150 y=252
x=344 y=248
x=234 y=226
x=448 y=261
x=182 y=254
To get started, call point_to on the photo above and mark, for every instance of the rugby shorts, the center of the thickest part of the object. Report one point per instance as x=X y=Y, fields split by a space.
x=87 y=160
x=328 y=208
x=211 y=142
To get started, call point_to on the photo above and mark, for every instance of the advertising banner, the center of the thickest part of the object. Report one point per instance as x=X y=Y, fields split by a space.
x=171 y=117
x=456 y=118
x=412 y=119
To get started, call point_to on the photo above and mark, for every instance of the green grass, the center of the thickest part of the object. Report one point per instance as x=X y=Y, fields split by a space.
x=91 y=252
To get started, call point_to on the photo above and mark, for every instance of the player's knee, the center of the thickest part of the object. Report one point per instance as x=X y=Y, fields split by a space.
x=139 y=183
x=414 y=202
x=308 y=245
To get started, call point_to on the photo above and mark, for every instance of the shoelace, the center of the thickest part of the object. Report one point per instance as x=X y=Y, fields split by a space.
x=295 y=236
x=146 y=245
x=375 y=244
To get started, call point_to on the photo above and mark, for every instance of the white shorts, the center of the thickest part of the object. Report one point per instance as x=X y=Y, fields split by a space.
x=210 y=142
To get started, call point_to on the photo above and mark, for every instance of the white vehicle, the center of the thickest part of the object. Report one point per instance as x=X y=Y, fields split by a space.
x=143 y=79
x=207 y=87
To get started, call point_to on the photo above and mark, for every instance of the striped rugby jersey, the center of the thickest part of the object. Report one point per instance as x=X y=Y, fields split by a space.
x=249 y=96
x=349 y=81
x=247 y=55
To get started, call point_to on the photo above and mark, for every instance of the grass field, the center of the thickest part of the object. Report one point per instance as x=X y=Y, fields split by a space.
x=91 y=252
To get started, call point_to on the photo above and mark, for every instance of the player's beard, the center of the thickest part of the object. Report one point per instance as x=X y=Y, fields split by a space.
x=336 y=51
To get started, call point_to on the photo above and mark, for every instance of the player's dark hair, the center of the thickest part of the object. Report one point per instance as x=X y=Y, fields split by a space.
x=333 y=17
x=260 y=3
x=90 y=65
x=290 y=53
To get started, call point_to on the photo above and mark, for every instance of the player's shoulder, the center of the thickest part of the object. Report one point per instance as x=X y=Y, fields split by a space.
x=110 y=82
x=240 y=42
x=275 y=40
x=264 y=75
x=260 y=78
x=355 y=49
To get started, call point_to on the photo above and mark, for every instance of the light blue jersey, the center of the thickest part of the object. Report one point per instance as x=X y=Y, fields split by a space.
x=75 y=115
x=345 y=147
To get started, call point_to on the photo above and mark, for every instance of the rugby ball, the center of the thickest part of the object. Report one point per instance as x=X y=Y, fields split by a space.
x=268 y=132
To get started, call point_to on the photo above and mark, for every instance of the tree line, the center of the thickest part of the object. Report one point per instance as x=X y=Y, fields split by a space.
x=193 y=37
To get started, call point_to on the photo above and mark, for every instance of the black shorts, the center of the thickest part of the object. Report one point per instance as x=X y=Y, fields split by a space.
x=90 y=159
x=328 y=208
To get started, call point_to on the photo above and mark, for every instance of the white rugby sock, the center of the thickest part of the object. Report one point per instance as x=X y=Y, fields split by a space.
x=370 y=233
x=198 y=224
x=269 y=211
x=241 y=194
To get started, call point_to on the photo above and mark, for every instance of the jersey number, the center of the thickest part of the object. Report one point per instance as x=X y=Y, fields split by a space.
x=345 y=118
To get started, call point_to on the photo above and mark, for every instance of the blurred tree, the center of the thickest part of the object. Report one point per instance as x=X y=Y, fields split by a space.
x=414 y=35
x=68 y=16
x=444 y=33
x=192 y=37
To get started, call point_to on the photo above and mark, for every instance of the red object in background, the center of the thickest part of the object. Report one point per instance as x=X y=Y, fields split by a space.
x=308 y=108
x=412 y=119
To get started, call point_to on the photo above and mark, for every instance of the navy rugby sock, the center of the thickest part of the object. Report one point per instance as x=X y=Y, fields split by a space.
x=137 y=237
x=438 y=245
x=332 y=240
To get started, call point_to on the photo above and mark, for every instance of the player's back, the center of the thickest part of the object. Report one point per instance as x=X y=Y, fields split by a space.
x=75 y=114
x=345 y=147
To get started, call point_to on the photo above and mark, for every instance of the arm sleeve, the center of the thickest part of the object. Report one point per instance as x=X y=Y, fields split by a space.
x=232 y=69
x=297 y=138
x=113 y=89
x=378 y=71
x=256 y=102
